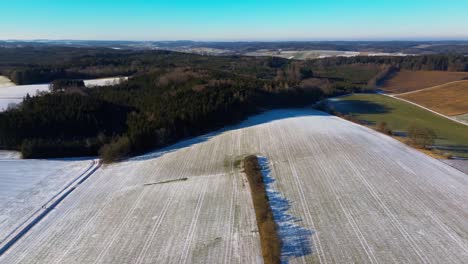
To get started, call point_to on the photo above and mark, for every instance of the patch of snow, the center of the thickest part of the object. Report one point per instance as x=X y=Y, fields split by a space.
x=13 y=95
x=105 y=81
x=27 y=185
x=6 y=154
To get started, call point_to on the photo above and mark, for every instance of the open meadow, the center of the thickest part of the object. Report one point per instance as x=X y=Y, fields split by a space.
x=407 y=81
x=399 y=115
x=343 y=193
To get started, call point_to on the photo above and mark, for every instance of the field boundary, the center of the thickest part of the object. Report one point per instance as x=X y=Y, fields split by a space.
x=46 y=208
x=269 y=238
x=425 y=108
x=429 y=88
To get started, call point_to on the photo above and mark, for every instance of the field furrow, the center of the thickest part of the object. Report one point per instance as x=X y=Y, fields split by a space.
x=351 y=194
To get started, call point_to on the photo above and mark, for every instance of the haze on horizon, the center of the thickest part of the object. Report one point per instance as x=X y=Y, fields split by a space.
x=234 y=20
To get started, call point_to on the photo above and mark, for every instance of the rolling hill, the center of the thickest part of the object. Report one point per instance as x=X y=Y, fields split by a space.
x=345 y=193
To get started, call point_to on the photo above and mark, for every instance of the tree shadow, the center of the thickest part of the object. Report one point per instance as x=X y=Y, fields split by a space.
x=262 y=118
x=296 y=240
x=399 y=133
x=360 y=107
x=455 y=148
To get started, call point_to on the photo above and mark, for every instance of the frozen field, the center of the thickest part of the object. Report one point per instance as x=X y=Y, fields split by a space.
x=461 y=165
x=349 y=194
x=6 y=154
x=27 y=186
x=4 y=81
x=104 y=81
x=12 y=95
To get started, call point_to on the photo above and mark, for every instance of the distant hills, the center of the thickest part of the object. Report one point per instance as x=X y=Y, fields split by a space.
x=245 y=47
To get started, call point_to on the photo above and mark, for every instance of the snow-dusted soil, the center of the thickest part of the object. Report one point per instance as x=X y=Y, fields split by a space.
x=461 y=165
x=27 y=186
x=6 y=154
x=105 y=81
x=4 y=81
x=13 y=95
x=351 y=194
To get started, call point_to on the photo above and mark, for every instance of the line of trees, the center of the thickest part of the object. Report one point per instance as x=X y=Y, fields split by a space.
x=414 y=63
x=170 y=96
x=148 y=111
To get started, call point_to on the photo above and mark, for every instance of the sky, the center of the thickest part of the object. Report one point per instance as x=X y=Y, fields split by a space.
x=234 y=20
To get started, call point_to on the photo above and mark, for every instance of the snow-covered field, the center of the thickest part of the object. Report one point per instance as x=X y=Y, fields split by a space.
x=461 y=165
x=28 y=186
x=6 y=154
x=12 y=95
x=351 y=194
x=105 y=81
x=316 y=54
x=4 y=81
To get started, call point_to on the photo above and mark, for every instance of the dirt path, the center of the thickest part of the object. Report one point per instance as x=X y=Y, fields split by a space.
x=425 y=108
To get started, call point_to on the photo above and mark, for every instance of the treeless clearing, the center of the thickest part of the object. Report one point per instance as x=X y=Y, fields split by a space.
x=14 y=94
x=449 y=99
x=358 y=197
x=407 y=81
x=452 y=137
x=4 y=81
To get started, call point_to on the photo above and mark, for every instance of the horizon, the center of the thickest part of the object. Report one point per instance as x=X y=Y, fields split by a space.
x=245 y=40
x=223 y=21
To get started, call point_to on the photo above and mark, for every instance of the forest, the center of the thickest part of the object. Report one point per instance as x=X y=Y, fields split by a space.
x=169 y=95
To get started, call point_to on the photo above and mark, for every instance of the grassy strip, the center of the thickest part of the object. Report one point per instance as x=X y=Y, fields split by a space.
x=269 y=238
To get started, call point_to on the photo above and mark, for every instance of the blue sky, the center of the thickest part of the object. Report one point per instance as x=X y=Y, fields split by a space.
x=234 y=20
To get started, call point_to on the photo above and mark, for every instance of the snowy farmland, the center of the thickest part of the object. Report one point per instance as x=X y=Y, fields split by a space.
x=6 y=154
x=27 y=187
x=14 y=94
x=4 y=81
x=346 y=194
x=105 y=81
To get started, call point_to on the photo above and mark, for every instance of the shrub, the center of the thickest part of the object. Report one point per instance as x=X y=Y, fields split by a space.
x=421 y=136
x=269 y=237
x=382 y=127
x=63 y=84
x=116 y=150
x=352 y=118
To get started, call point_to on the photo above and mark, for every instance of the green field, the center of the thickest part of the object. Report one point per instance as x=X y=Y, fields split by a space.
x=373 y=108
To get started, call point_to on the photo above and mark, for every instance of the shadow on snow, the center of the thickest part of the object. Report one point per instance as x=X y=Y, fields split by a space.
x=295 y=238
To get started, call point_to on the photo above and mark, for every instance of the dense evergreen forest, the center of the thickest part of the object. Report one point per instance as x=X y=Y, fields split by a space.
x=169 y=95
